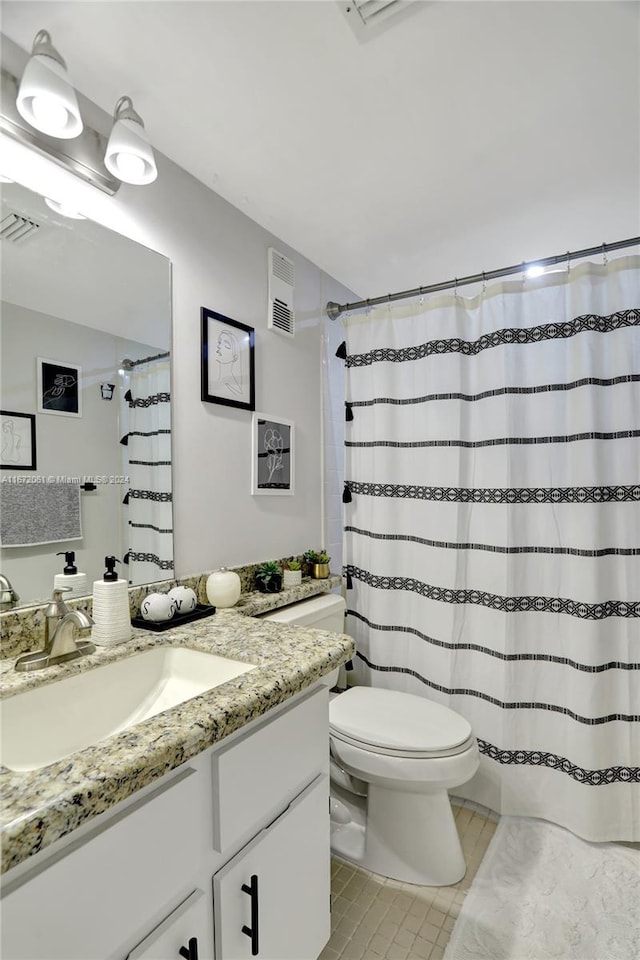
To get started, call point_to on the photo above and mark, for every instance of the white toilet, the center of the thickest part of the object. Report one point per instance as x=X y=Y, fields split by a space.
x=394 y=756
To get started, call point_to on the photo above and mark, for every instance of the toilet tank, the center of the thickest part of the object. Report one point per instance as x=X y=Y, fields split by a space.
x=325 y=612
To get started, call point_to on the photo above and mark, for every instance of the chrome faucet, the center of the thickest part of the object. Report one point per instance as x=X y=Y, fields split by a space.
x=60 y=644
x=8 y=596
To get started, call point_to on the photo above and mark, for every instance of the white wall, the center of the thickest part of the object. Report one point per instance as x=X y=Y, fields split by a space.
x=219 y=260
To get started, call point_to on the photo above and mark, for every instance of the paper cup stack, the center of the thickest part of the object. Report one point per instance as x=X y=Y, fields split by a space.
x=112 y=620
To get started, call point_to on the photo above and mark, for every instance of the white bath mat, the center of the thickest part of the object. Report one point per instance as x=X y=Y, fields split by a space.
x=543 y=893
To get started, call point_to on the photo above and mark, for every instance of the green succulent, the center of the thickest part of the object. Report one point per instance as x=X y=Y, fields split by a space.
x=316 y=556
x=269 y=569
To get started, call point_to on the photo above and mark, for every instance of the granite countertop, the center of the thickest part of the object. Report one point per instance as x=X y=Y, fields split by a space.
x=43 y=805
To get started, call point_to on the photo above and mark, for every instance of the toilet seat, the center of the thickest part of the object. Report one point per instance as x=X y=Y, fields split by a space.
x=396 y=724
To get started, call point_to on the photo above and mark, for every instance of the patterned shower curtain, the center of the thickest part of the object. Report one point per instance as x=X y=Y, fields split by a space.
x=492 y=539
x=149 y=499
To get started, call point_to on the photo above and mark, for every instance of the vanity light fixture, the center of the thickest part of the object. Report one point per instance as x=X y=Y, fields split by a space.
x=41 y=112
x=46 y=98
x=129 y=156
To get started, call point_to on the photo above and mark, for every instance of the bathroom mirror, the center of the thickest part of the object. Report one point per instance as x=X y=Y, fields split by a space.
x=77 y=301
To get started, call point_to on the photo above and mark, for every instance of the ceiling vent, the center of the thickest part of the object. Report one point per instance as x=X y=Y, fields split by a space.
x=17 y=228
x=281 y=317
x=366 y=17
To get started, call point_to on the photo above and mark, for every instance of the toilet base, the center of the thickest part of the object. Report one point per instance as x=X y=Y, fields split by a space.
x=411 y=837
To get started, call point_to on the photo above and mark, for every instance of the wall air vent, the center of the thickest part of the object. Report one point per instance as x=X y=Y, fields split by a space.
x=367 y=17
x=17 y=228
x=281 y=317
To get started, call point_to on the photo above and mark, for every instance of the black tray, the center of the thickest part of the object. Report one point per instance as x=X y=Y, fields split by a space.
x=201 y=610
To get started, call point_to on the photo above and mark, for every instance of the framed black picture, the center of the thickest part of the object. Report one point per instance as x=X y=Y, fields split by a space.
x=228 y=369
x=59 y=388
x=18 y=449
x=272 y=456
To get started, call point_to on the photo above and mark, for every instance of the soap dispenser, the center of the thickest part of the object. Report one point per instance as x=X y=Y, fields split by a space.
x=70 y=579
x=111 y=616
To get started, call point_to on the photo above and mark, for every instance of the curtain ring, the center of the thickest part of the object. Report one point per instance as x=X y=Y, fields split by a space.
x=568 y=261
x=389 y=304
x=455 y=288
x=524 y=272
x=605 y=260
x=484 y=282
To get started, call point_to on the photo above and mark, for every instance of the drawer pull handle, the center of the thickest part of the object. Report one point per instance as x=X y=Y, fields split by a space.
x=252 y=931
x=190 y=952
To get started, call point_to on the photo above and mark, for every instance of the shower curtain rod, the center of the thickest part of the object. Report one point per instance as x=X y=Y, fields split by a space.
x=333 y=310
x=128 y=364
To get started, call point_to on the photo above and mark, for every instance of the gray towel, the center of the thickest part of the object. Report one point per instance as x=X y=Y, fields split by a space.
x=33 y=513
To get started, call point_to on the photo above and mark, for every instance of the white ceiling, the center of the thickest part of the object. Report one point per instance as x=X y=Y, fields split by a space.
x=460 y=121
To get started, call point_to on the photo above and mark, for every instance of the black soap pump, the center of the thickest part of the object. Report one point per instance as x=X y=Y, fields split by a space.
x=70 y=580
x=111 y=614
x=69 y=559
x=110 y=573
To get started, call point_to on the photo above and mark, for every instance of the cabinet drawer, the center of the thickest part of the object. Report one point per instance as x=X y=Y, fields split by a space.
x=255 y=777
x=86 y=901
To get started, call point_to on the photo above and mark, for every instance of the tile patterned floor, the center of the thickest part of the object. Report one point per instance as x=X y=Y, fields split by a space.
x=373 y=917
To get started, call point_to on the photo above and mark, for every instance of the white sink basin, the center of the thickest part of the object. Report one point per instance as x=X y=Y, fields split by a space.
x=51 y=722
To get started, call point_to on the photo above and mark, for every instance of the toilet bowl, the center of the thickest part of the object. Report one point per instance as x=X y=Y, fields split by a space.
x=393 y=756
x=408 y=752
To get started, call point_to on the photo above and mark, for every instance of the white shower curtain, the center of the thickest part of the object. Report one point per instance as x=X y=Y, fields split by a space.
x=149 y=500
x=493 y=533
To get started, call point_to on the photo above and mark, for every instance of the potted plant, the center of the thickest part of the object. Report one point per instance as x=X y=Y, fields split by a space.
x=268 y=578
x=292 y=575
x=317 y=564
x=308 y=559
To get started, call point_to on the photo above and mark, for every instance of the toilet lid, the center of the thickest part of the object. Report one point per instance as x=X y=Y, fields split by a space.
x=392 y=720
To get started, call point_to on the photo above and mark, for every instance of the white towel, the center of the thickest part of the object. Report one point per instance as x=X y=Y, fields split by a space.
x=32 y=513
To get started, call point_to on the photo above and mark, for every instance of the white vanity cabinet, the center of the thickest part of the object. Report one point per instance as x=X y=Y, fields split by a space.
x=145 y=880
x=112 y=885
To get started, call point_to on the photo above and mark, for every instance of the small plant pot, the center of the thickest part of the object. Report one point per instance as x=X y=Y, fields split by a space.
x=319 y=571
x=268 y=583
x=291 y=578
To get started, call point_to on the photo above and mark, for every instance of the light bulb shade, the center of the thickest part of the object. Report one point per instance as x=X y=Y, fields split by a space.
x=46 y=99
x=129 y=155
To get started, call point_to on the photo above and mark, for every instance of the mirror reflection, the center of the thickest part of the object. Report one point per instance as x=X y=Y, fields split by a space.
x=85 y=455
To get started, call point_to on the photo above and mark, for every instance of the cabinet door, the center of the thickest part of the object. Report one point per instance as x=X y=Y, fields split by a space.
x=272 y=899
x=186 y=932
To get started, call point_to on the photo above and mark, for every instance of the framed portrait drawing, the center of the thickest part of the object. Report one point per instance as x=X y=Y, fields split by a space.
x=18 y=448
x=227 y=361
x=272 y=459
x=59 y=388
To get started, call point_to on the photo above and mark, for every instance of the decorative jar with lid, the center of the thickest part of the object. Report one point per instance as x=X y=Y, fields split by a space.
x=223 y=588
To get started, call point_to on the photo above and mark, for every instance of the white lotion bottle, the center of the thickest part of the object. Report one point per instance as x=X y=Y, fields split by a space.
x=70 y=580
x=111 y=615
